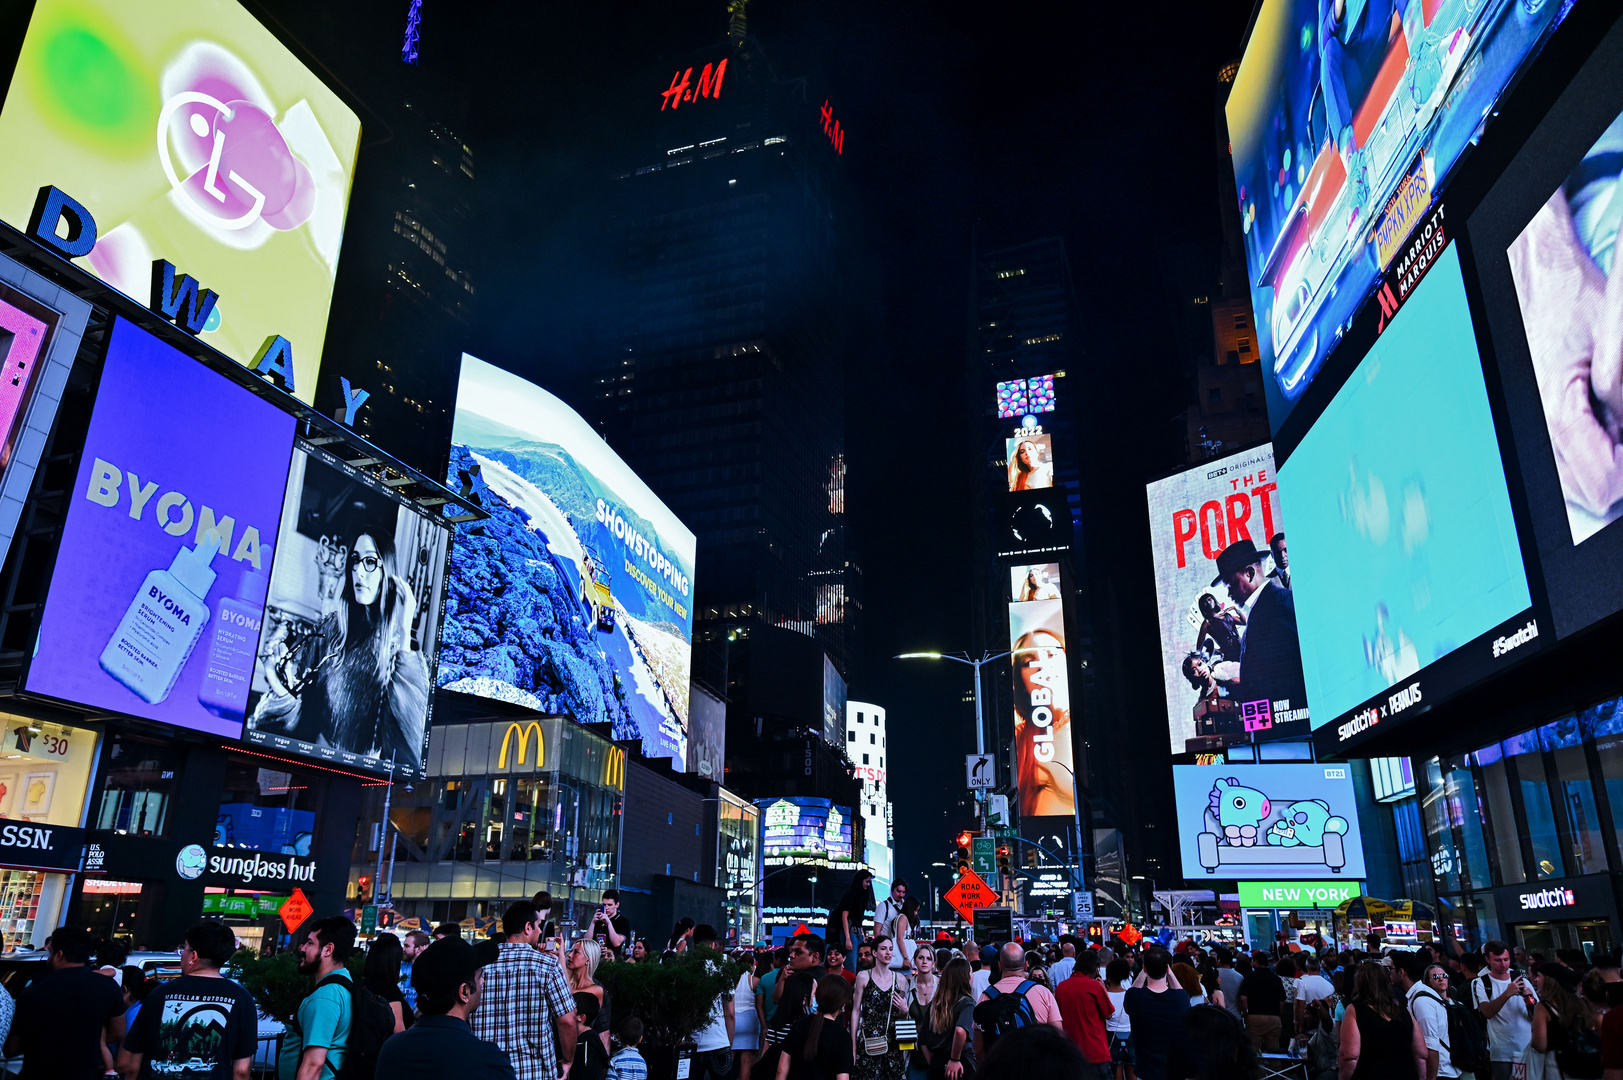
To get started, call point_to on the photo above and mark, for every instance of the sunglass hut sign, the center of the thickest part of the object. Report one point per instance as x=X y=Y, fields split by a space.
x=254 y=867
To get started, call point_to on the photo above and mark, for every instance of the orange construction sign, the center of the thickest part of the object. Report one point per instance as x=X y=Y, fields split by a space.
x=295 y=910
x=970 y=892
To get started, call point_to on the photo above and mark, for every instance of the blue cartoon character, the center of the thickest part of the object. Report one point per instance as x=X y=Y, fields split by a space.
x=1239 y=811
x=1304 y=824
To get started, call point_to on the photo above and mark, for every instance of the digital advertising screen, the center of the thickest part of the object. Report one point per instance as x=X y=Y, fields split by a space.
x=1037 y=581
x=191 y=134
x=802 y=830
x=345 y=670
x=1335 y=109
x=41 y=328
x=834 y=698
x=1031 y=461
x=1267 y=822
x=1543 y=241
x=1033 y=524
x=1044 y=761
x=576 y=596
x=1023 y=397
x=1398 y=500
x=156 y=601
x=1225 y=598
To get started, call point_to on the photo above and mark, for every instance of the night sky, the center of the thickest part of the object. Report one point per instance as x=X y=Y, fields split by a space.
x=967 y=124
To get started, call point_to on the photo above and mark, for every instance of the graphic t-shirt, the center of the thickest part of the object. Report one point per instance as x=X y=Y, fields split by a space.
x=194 y=1027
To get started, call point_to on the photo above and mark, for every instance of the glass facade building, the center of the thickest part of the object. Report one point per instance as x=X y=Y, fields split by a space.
x=1523 y=835
x=509 y=808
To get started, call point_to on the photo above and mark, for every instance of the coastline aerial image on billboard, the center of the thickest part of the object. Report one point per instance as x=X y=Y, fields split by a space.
x=1337 y=109
x=575 y=597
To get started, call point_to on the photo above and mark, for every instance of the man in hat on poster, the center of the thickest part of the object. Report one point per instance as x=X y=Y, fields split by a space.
x=1270 y=656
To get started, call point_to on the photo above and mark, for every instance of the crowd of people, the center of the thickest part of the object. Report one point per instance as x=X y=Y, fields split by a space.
x=854 y=1002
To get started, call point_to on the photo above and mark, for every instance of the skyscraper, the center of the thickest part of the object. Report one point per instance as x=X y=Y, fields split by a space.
x=721 y=376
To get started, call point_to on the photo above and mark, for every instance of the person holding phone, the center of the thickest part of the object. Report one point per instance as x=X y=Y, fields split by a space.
x=359 y=685
x=608 y=925
x=1506 y=998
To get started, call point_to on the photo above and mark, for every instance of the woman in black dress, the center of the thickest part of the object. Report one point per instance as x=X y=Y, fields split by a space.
x=382 y=976
x=1378 y=1039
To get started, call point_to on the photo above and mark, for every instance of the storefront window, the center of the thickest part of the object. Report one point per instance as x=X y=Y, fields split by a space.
x=1605 y=722
x=109 y=907
x=141 y=777
x=1525 y=751
x=1507 y=845
x=267 y=809
x=1445 y=857
x=1575 y=794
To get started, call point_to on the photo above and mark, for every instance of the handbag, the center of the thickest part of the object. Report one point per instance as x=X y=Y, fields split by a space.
x=879 y=1045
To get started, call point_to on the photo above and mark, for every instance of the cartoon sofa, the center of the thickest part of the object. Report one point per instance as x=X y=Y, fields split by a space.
x=1243 y=827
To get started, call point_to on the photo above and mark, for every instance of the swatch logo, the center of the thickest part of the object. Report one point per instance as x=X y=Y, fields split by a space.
x=1502 y=645
x=1548 y=898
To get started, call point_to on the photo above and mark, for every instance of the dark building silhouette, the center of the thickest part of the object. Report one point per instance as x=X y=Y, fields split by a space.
x=720 y=379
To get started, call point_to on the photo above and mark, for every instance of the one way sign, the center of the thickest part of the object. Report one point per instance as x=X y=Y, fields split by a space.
x=979 y=771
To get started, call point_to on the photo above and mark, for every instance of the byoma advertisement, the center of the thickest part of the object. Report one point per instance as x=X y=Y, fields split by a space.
x=1230 y=654
x=1334 y=106
x=347 y=654
x=159 y=588
x=1267 y=822
x=576 y=596
x=191 y=134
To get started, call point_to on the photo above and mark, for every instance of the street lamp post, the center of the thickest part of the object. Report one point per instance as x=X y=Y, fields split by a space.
x=980 y=718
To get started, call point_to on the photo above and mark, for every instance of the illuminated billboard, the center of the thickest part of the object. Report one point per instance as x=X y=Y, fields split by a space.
x=1031 y=460
x=1036 y=581
x=575 y=597
x=1399 y=503
x=1225 y=598
x=191 y=134
x=1045 y=769
x=1562 y=264
x=1543 y=242
x=345 y=672
x=802 y=830
x=1267 y=822
x=155 y=605
x=1034 y=523
x=1343 y=119
x=1022 y=397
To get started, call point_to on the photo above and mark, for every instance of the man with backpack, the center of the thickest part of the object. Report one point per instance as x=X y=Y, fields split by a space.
x=1429 y=1010
x=1012 y=1002
x=1506 y=1001
x=318 y=1037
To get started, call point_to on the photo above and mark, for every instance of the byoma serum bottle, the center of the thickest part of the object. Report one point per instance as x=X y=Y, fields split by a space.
x=163 y=624
x=232 y=647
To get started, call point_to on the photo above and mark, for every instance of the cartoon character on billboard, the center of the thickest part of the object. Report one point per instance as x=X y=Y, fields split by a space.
x=1242 y=825
x=1305 y=824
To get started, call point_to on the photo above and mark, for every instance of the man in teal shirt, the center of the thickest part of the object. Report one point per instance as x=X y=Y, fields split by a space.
x=317 y=1035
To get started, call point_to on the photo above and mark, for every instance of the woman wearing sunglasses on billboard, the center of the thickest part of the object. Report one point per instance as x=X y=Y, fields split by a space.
x=353 y=680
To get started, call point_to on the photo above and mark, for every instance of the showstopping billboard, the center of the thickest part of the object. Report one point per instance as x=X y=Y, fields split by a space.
x=1343 y=119
x=156 y=601
x=575 y=597
x=191 y=134
x=801 y=830
x=1267 y=822
x=347 y=653
x=1230 y=658
x=1044 y=761
x=1404 y=505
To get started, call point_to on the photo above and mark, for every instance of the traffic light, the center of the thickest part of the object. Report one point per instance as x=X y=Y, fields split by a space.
x=361 y=888
x=964 y=839
x=1003 y=854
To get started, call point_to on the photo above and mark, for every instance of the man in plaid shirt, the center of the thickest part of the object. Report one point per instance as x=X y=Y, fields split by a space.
x=526 y=1000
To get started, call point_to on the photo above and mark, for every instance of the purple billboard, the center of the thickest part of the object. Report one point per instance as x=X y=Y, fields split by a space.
x=160 y=582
